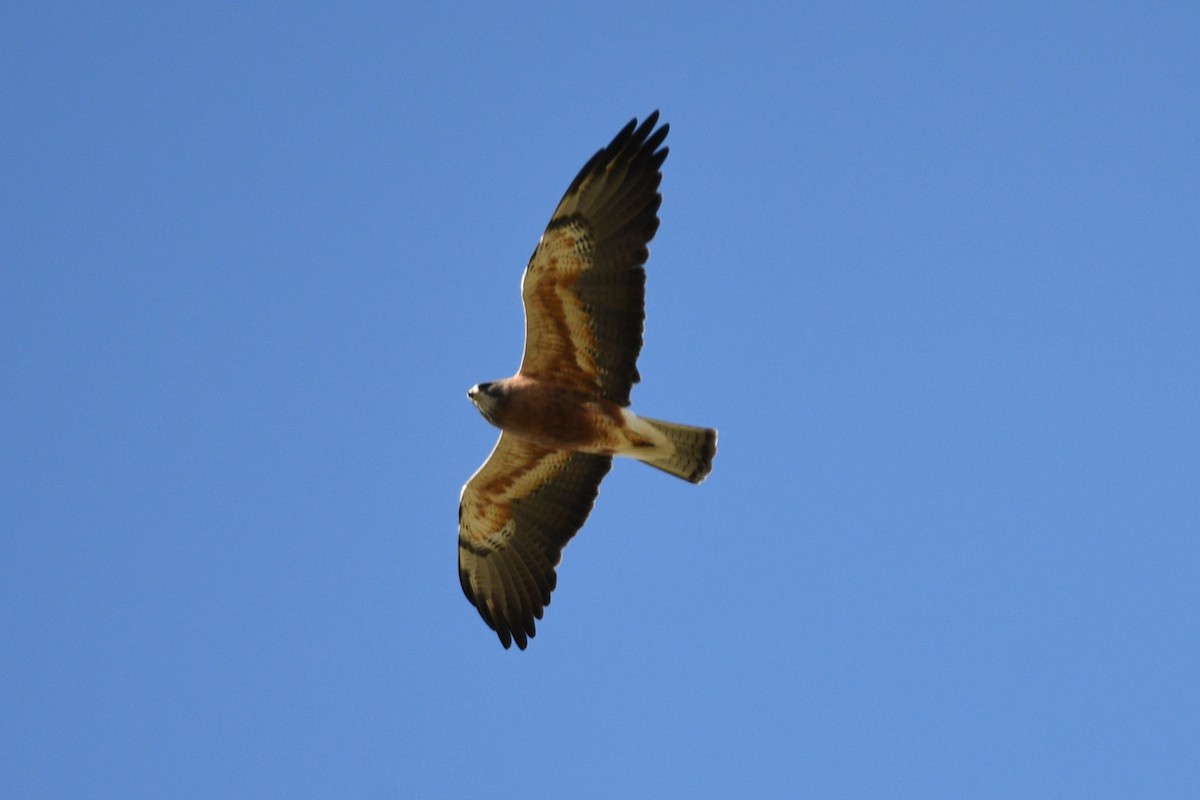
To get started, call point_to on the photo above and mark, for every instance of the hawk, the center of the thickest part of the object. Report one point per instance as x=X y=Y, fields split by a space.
x=565 y=414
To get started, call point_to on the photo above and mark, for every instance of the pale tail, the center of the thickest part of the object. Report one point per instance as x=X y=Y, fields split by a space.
x=694 y=450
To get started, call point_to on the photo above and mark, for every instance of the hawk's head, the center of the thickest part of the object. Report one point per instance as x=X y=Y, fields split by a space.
x=487 y=398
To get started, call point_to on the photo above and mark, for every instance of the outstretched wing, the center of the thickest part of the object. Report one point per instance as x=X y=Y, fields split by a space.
x=515 y=516
x=584 y=287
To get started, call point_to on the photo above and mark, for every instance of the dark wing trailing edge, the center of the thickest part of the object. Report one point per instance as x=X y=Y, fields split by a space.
x=584 y=287
x=515 y=516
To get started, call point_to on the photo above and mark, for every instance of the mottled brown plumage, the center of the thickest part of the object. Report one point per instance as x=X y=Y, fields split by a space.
x=564 y=415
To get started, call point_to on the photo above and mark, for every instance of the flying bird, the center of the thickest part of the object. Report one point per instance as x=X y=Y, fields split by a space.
x=565 y=414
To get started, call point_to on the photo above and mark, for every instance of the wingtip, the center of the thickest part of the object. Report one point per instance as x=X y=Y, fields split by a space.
x=646 y=133
x=510 y=636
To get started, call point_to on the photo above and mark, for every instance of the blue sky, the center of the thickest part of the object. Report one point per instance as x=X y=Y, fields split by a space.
x=931 y=270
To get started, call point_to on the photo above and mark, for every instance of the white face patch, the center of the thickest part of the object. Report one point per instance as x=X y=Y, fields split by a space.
x=484 y=402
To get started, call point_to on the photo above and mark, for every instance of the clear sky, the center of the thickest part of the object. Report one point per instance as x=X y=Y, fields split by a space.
x=933 y=270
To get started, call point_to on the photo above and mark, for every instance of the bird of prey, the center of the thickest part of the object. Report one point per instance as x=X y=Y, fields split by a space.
x=565 y=414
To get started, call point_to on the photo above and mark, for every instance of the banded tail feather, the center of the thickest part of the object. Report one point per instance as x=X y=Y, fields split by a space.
x=693 y=454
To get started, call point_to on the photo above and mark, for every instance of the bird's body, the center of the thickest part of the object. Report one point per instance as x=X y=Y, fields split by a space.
x=557 y=416
x=565 y=414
